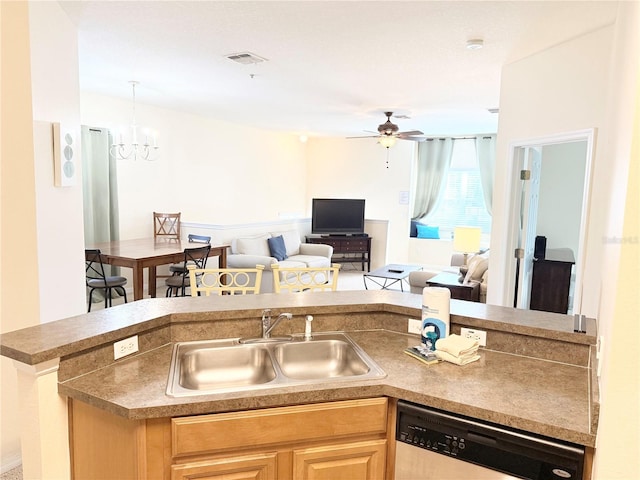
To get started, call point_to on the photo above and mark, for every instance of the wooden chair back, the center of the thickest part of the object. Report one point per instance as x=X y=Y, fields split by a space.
x=166 y=225
x=233 y=281
x=310 y=279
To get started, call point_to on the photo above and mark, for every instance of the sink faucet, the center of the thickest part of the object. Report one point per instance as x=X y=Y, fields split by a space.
x=267 y=326
x=307 y=327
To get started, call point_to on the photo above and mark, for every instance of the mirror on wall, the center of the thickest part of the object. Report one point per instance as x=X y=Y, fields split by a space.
x=551 y=198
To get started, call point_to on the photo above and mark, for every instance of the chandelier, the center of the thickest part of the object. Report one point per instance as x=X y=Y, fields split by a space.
x=122 y=150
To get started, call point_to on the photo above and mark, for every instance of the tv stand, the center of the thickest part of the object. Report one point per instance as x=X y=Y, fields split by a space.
x=347 y=249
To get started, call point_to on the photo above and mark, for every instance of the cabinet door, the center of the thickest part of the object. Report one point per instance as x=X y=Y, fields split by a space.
x=249 y=467
x=348 y=461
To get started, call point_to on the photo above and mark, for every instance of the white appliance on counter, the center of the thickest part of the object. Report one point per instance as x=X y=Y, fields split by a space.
x=436 y=445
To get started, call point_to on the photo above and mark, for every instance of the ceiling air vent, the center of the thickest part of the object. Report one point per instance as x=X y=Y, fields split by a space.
x=246 y=58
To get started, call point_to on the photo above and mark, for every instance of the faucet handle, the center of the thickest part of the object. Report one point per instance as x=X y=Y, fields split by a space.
x=307 y=327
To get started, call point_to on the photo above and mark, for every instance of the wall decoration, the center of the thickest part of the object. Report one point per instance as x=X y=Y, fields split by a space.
x=65 y=155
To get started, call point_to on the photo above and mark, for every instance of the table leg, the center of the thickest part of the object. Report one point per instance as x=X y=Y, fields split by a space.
x=138 y=283
x=152 y=281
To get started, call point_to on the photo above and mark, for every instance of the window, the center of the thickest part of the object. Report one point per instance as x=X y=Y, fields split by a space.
x=462 y=202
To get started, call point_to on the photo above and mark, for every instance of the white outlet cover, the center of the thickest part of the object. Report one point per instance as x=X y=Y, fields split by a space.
x=125 y=347
x=414 y=326
x=479 y=335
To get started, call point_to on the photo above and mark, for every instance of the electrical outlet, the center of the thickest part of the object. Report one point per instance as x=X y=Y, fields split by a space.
x=479 y=335
x=125 y=347
x=415 y=326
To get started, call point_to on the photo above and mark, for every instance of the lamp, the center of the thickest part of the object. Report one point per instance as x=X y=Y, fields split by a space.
x=123 y=151
x=466 y=240
x=387 y=141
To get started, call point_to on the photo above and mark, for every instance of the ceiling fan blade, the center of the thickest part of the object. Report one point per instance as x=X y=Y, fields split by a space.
x=411 y=133
x=413 y=139
x=366 y=136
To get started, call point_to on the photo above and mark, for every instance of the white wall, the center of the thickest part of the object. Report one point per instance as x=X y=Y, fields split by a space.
x=618 y=440
x=55 y=90
x=562 y=89
x=561 y=189
x=357 y=168
x=212 y=171
x=55 y=228
x=19 y=307
x=590 y=81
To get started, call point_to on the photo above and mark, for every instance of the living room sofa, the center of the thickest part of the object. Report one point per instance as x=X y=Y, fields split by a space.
x=282 y=248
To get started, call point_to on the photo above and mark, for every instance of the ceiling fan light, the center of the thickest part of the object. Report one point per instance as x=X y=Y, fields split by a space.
x=387 y=141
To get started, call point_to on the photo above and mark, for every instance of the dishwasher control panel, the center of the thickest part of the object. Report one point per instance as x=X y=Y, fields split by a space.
x=429 y=438
x=495 y=447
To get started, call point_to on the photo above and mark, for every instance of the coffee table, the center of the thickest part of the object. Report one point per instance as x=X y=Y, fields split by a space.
x=459 y=291
x=389 y=275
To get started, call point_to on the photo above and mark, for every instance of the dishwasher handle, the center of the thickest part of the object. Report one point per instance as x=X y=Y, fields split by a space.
x=481 y=438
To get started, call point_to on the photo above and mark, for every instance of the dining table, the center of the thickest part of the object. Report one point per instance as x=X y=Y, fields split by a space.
x=150 y=253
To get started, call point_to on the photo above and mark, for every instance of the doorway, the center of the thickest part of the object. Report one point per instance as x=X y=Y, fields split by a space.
x=550 y=192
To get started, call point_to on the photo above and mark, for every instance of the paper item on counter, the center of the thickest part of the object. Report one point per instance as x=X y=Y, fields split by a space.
x=463 y=360
x=419 y=352
x=456 y=345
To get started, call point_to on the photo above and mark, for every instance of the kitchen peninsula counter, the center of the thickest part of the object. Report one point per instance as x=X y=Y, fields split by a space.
x=535 y=374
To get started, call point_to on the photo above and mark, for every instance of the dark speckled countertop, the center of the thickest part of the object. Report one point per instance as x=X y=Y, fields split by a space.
x=535 y=374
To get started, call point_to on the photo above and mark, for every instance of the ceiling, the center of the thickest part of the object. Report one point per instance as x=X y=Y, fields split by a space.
x=333 y=67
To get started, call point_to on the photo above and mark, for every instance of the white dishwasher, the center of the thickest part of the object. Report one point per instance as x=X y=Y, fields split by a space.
x=436 y=445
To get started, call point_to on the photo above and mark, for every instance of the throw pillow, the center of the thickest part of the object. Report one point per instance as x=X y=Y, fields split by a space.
x=476 y=268
x=291 y=241
x=425 y=231
x=413 y=229
x=277 y=248
x=254 y=245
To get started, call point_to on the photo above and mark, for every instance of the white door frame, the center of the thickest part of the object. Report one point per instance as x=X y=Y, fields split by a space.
x=513 y=175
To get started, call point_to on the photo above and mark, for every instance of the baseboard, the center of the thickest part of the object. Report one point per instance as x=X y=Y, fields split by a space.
x=9 y=463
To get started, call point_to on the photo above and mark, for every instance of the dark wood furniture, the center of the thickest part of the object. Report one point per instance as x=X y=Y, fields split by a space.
x=148 y=253
x=347 y=249
x=459 y=291
x=551 y=281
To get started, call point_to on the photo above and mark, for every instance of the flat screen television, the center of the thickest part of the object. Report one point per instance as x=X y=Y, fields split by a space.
x=337 y=216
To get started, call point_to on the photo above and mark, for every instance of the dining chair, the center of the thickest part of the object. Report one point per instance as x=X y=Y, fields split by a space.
x=305 y=279
x=192 y=256
x=166 y=225
x=96 y=278
x=232 y=281
x=178 y=268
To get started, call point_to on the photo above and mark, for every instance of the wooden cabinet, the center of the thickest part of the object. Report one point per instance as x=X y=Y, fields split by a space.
x=551 y=281
x=355 y=460
x=336 y=440
x=249 y=467
x=347 y=249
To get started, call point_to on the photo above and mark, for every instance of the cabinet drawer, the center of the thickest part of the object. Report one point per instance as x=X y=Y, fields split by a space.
x=206 y=433
x=354 y=248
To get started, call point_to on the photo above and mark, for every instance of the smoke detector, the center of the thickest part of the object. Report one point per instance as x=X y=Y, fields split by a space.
x=246 y=58
x=475 y=44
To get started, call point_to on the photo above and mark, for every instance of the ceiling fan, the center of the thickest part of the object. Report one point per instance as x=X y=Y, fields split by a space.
x=388 y=133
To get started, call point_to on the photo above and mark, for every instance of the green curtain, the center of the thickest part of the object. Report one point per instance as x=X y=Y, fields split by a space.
x=99 y=191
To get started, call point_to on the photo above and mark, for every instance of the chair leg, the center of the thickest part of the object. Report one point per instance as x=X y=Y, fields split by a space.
x=90 y=299
x=107 y=298
x=124 y=294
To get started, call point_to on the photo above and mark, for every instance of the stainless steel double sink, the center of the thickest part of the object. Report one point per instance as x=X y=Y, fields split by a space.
x=220 y=366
